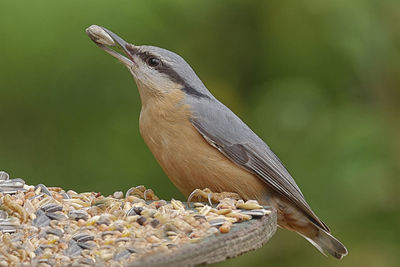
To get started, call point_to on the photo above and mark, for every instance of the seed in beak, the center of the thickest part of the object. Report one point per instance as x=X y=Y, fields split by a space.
x=99 y=36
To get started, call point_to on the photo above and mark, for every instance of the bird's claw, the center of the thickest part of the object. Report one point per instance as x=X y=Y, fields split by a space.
x=206 y=195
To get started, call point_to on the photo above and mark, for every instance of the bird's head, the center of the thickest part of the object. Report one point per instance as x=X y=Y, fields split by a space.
x=156 y=71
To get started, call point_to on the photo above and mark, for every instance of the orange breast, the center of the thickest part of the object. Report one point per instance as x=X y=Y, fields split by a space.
x=185 y=156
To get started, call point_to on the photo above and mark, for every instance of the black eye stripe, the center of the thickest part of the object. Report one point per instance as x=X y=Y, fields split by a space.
x=162 y=68
x=166 y=69
x=144 y=55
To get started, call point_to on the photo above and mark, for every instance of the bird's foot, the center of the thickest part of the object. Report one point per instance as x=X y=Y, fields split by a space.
x=142 y=192
x=206 y=195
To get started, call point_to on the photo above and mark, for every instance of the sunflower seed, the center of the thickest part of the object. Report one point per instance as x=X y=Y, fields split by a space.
x=141 y=220
x=73 y=249
x=99 y=36
x=104 y=219
x=257 y=213
x=85 y=245
x=4 y=175
x=118 y=195
x=43 y=189
x=9 y=225
x=16 y=182
x=38 y=251
x=78 y=214
x=11 y=186
x=3 y=215
x=44 y=246
x=56 y=216
x=51 y=207
x=37 y=196
x=65 y=195
x=56 y=232
x=154 y=223
x=134 y=211
x=82 y=237
x=43 y=260
x=217 y=222
x=41 y=221
x=105 y=233
x=86 y=261
x=131 y=212
x=121 y=255
x=122 y=239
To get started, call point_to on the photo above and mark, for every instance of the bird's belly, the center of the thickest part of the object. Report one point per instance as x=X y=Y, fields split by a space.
x=191 y=163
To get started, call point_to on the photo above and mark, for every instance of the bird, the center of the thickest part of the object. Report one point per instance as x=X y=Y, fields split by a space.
x=201 y=143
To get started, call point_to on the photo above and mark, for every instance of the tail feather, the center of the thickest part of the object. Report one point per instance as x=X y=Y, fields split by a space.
x=325 y=242
x=314 y=244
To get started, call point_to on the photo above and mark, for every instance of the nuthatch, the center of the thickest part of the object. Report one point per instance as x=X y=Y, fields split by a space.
x=200 y=143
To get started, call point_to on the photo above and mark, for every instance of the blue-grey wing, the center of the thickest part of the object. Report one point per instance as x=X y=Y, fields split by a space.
x=232 y=137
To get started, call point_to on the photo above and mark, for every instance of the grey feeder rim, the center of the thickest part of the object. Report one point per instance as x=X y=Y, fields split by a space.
x=243 y=237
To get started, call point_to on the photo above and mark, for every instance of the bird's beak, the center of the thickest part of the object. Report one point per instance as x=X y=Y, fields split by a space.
x=105 y=39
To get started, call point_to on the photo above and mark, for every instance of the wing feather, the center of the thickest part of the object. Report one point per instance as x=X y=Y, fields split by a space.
x=232 y=137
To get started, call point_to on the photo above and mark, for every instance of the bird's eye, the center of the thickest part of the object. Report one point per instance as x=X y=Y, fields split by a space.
x=153 y=61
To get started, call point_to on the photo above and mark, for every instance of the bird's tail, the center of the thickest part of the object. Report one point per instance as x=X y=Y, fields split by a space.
x=325 y=242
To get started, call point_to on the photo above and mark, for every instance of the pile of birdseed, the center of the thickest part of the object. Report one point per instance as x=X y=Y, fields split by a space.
x=48 y=226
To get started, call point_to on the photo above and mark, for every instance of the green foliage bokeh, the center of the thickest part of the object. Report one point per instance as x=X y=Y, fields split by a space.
x=319 y=81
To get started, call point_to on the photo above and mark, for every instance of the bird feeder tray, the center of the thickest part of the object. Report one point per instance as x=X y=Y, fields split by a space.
x=243 y=237
x=59 y=228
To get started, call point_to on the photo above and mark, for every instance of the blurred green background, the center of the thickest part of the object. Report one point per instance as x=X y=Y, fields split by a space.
x=318 y=80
